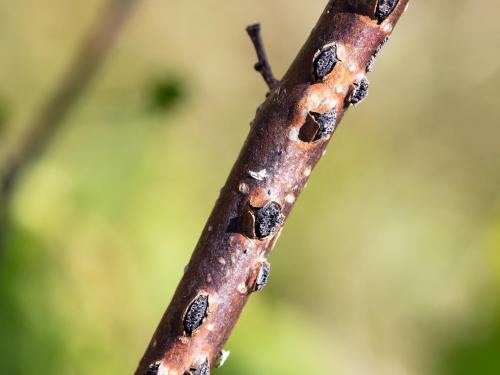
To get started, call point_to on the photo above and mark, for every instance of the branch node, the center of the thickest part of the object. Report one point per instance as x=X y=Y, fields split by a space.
x=262 y=66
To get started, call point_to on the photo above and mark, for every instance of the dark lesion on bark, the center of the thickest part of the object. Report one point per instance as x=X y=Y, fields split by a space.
x=204 y=369
x=262 y=276
x=324 y=62
x=268 y=219
x=375 y=9
x=153 y=369
x=318 y=126
x=384 y=9
x=359 y=92
x=195 y=314
x=258 y=222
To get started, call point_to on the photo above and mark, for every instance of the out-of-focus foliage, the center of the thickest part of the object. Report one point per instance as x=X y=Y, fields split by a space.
x=390 y=262
x=166 y=93
x=477 y=350
x=3 y=115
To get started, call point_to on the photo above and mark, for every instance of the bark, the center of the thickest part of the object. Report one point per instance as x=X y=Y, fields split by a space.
x=45 y=124
x=287 y=138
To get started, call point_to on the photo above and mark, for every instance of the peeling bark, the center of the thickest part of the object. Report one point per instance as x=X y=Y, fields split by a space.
x=230 y=259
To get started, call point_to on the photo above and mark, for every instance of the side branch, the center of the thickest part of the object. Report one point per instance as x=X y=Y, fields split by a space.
x=262 y=66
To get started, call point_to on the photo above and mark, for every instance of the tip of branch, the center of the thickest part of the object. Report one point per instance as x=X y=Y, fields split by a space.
x=253 y=28
x=262 y=66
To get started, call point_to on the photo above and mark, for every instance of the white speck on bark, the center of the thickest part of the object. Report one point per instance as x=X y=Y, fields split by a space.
x=260 y=175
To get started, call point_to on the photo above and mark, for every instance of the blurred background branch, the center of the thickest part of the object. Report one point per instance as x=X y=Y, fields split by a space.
x=45 y=124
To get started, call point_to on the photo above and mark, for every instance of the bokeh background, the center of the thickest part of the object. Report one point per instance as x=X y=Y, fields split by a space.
x=390 y=262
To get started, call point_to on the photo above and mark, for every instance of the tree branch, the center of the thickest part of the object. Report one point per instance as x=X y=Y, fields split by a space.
x=262 y=66
x=288 y=137
x=46 y=123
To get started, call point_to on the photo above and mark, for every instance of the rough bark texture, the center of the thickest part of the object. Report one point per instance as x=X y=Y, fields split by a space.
x=287 y=138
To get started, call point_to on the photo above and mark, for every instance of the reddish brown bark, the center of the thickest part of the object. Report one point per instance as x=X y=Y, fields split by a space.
x=287 y=138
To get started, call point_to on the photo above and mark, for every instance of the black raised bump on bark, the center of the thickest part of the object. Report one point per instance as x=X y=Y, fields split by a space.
x=153 y=369
x=363 y=7
x=267 y=219
x=318 y=126
x=384 y=9
x=326 y=121
x=324 y=62
x=195 y=314
x=262 y=276
x=360 y=91
x=373 y=58
x=204 y=369
x=262 y=66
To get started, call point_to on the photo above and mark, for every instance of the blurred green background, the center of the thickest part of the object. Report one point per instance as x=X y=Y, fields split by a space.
x=390 y=262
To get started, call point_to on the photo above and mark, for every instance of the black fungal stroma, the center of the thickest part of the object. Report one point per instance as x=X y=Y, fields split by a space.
x=324 y=62
x=268 y=219
x=153 y=369
x=262 y=277
x=204 y=369
x=326 y=122
x=318 y=126
x=360 y=91
x=195 y=314
x=385 y=8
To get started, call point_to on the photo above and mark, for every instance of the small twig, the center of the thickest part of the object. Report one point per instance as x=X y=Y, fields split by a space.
x=262 y=66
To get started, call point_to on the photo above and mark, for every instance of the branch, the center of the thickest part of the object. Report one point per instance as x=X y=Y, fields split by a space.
x=288 y=137
x=45 y=125
x=262 y=66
